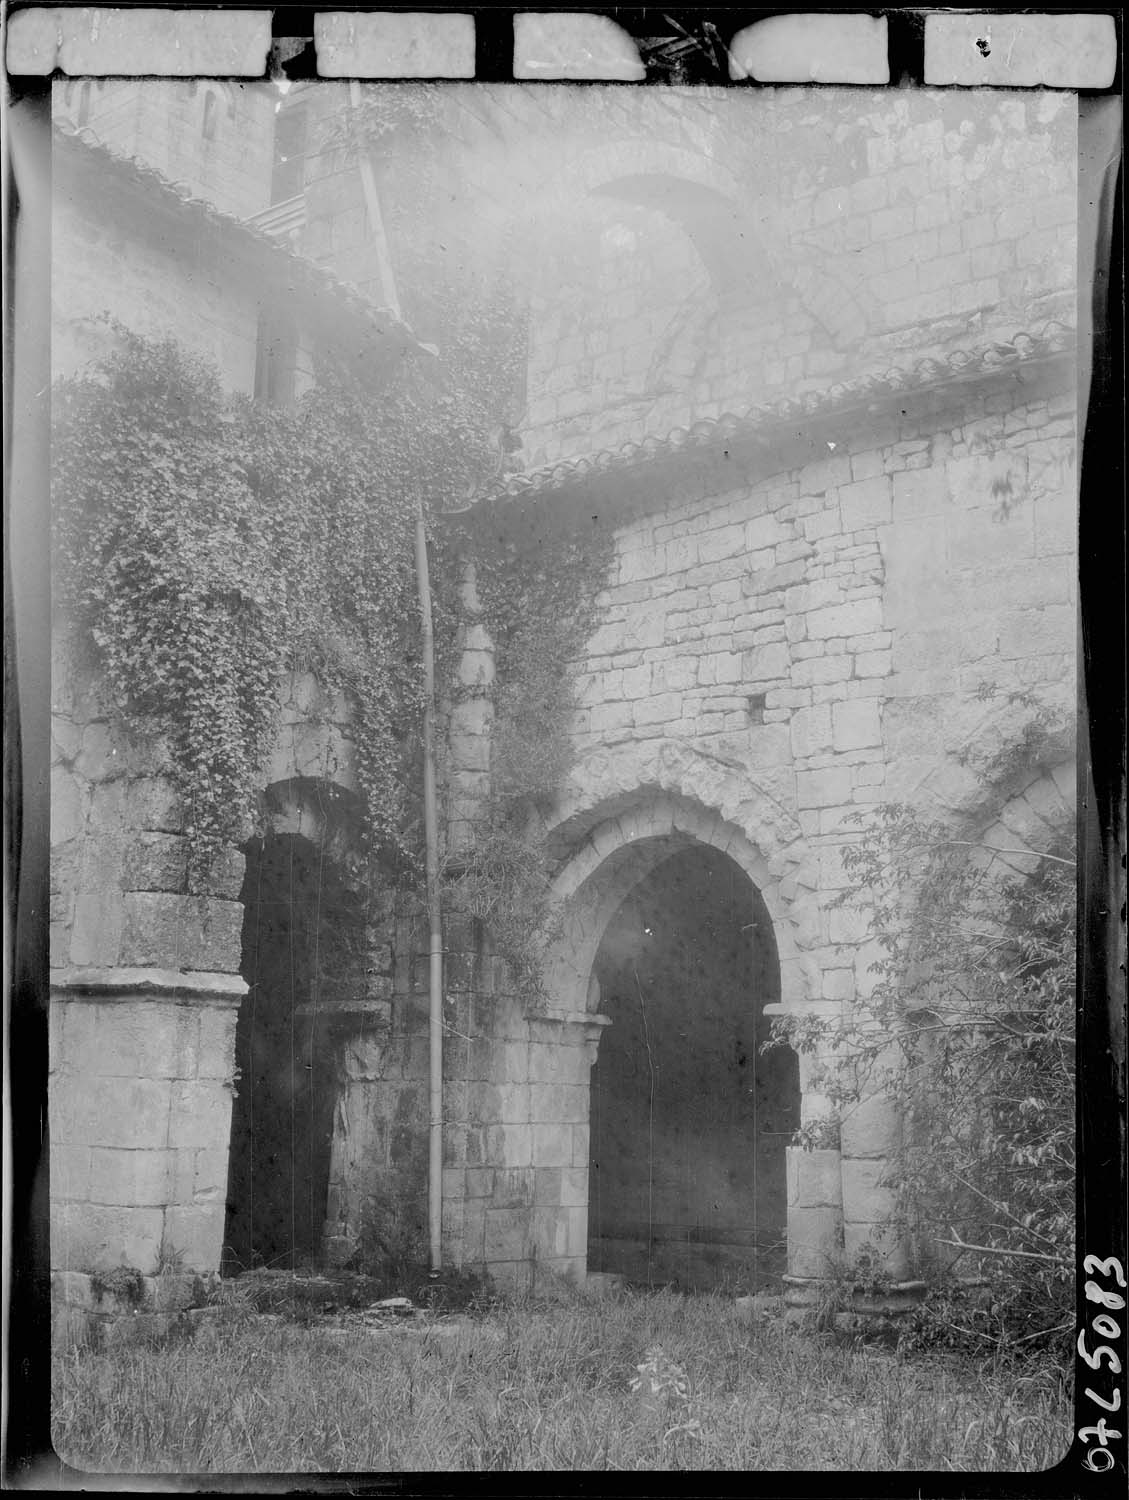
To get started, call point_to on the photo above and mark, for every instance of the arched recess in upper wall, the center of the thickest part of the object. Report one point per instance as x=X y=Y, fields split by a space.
x=656 y=273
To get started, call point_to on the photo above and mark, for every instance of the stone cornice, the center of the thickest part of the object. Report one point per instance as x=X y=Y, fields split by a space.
x=127 y=984
x=1048 y=351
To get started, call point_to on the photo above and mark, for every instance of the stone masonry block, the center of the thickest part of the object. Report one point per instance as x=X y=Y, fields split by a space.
x=829 y=473
x=549 y=1232
x=663 y=708
x=829 y=787
x=209 y=1174
x=215 y=1052
x=765 y=663
x=920 y=492
x=96 y=937
x=988 y=479
x=70 y=1172
x=225 y=876
x=877 y=1247
x=93 y=1237
x=857 y=723
x=547 y=1186
x=131 y=1178
x=506 y=1234
x=870 y=1128
x=811 y=730
x=479 y=1182
x=138 y=1038
x=866 y=1197
x=866 y=503
x=122 y=1112
x=200 y=1115
x=67 y=797
x=513 y=1187
x=1034 y=632
x=182 y=932
x=574 y=1187
x=194 y=1234
x=155 y=862
x=847 y=925
x=155 y=804
x=577 y=1220
x=860 y=617
x=814 y=1179
x=815 y=1241
x=552 y=1145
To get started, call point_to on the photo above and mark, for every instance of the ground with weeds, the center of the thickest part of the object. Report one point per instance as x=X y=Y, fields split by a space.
x=627 y=1381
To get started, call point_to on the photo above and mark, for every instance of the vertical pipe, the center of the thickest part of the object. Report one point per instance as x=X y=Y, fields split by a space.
x=434 y=912
x=375 y=217
x=430 y=804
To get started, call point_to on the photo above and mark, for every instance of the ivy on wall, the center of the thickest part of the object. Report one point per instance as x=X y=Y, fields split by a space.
x=538 y=580
x=206 y=544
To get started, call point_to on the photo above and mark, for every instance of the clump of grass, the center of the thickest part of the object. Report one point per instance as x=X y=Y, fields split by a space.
x=538 y=1386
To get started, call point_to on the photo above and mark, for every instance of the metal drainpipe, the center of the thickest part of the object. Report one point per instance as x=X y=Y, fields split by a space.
x=430 y=801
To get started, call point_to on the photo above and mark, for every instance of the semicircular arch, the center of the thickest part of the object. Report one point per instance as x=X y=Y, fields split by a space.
x=613 y=849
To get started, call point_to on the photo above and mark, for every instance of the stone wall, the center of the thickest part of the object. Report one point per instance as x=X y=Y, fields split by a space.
x=835 y=238
x=163 y=123
x=152 y=283
x=796 y=650
x=145 y=987
x=791 y=634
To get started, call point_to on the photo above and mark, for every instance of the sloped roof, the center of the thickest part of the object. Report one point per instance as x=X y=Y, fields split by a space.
x=869 y=392
x=279 y=267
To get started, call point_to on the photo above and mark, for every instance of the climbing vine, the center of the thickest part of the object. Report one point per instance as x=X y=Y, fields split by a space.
x=207 y=544
x=970 y=1032
x=538 y=583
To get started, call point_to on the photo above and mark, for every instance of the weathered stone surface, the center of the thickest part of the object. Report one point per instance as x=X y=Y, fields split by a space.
x=870 y=1128
x=181 y=932
x=813 y=1179
x=857 y=723
x=815 y=1241
x=136 y=1177
x=770 y=653
x=100 y=1238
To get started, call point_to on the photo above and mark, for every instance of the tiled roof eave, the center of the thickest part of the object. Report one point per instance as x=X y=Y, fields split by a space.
x=868 y=396
x=267 y=253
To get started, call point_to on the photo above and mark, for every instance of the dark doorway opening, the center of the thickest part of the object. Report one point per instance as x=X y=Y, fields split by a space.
x=302 y=944
x=689 y=1120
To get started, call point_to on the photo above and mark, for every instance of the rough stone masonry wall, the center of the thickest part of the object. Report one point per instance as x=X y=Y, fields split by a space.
x=849 y=232
x=153 y=286
x=162 y=122
x=796 y=652
x=145 y=989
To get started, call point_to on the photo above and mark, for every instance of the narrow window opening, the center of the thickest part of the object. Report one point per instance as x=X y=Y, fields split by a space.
x=276 y=360
x=289 y=170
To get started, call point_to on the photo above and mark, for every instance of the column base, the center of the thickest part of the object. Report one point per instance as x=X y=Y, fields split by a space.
x=828 y=1302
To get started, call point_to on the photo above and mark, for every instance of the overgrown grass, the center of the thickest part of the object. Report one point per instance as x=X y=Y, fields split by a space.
x=543 y=1387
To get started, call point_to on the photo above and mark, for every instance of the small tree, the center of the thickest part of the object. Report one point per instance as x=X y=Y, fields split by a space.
x=970 y=1029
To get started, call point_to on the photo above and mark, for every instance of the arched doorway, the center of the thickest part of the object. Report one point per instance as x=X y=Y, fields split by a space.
x=303 y=934
x=689 y=1119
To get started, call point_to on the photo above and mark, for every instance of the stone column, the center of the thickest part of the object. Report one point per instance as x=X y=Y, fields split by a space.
x=142 y=1066
x=359 y=1151
x=562 y=1049
x=871 y=1133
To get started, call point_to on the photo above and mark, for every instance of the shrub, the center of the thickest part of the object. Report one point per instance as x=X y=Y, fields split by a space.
x=970 y=1031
